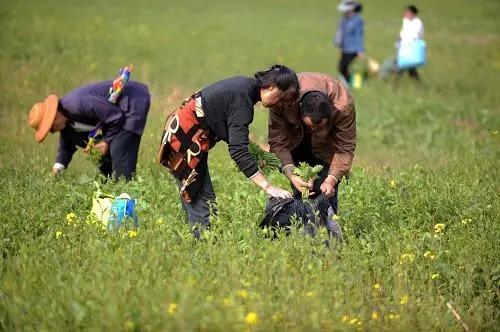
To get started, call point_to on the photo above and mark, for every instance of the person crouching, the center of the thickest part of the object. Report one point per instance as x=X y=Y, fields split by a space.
x=85 y=114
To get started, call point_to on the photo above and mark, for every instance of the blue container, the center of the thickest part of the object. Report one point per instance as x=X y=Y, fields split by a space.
x=121 y=209
x=412 y=55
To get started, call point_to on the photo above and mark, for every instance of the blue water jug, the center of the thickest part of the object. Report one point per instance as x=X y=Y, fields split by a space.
x=412 y=55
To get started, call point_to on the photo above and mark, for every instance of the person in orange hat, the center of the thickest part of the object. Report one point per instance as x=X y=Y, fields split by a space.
x=85 y=111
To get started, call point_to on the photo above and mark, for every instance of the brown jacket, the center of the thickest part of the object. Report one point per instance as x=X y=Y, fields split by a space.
x=334 y=143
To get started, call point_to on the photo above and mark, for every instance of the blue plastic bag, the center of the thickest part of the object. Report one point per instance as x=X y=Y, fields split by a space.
x=122 y=207
x=412 y=55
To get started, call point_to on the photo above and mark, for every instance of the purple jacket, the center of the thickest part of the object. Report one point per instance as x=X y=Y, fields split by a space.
x=88 y=106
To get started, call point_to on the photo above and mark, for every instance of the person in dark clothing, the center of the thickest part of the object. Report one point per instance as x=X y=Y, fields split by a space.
x=224 y=110
x=87 y=110
x=349 y=36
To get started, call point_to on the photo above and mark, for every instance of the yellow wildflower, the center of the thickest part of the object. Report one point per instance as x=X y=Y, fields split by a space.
x=243 y=293
x=71 y=218
x=252 y=318
x=172 y=308
x=434 y=276
x=466 y=221
x=377 y=286
x=345 y=318
x=430 y=255
x=58 y=234
x=404 y=299
x=132 y=233
x=353 y=321
x=406 y=258
x=393 y=184
x=160 y=222
x=227 y=301
x=393 y=316
x=375 y=315
x=128 y=325
x=310 y=294
x=439 y=228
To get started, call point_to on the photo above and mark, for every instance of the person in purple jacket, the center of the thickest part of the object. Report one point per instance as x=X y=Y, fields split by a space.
x=85 y=111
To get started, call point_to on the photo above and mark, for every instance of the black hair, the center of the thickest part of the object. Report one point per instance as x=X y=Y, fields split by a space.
x=358 y=8
x=413 y=9
x=281 y=76
x=315 y=105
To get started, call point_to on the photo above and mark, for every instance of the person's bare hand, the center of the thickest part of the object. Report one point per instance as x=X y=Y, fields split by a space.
x=278 y=192
x=328 y=187
x=103 y=147
x=300 y=184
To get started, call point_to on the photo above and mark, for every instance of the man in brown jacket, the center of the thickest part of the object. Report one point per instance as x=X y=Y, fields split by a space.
x=320 y=129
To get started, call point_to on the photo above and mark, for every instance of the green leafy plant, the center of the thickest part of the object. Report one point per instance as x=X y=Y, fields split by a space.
x=94 y=154
x=307 y=173
x=266 y=161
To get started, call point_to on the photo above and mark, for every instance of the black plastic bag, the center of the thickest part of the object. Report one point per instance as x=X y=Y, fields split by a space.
x=312 y=213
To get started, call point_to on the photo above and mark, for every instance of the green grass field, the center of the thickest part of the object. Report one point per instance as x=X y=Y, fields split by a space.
x=426 y=156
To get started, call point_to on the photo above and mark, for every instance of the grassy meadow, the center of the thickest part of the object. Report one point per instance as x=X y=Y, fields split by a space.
x=420 y=214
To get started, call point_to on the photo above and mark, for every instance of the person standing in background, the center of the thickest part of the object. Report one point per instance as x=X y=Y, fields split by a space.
x=412 y=30
x=349 y=36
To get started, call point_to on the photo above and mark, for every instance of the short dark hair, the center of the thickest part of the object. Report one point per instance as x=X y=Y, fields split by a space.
x=358 y=8
x=281 y=76
x=413 y=9
x=315 y=105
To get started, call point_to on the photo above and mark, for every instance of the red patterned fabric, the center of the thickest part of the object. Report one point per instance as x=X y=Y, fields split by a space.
x=184 y=147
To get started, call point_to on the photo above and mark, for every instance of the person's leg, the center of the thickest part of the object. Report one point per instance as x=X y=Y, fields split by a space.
x=105 y=166
x=344 y=66
x=124 y=149
x=345 y=62
x=199 y=209
x=414 y=74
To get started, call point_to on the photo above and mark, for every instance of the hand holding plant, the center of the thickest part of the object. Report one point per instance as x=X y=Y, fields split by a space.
x=307 y=174
x=96 y=150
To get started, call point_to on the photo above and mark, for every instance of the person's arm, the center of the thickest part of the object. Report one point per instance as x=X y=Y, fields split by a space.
x=278 y=138
x=238 y=141
x=345 y=143
x=110 y=116
x=339 y=35
x=360 y=37
x=64 y=155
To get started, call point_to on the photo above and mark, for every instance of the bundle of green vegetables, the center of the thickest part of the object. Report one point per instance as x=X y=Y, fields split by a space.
x=266 y=161
x=307 y=173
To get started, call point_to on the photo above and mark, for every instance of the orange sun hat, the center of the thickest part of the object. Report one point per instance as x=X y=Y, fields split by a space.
x=42 y=117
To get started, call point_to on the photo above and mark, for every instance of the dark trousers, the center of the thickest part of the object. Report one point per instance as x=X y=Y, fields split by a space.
x=345 y=61
x=303 y=153
x=198 y=211
x=121 y=161
x=413 y=74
